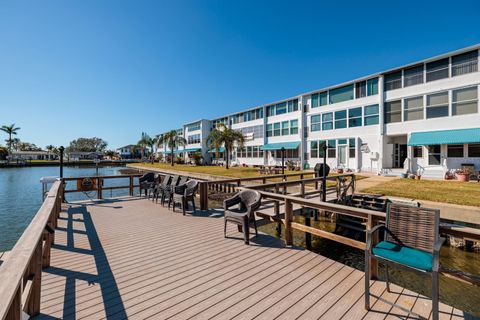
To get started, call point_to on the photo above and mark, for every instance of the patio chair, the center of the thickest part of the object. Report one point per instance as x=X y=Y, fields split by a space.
x=171 y=190
x=153 y=186
x=411 y=241
x=159 y=191
x=184 y=193
x=146 y=181
x=168 y=191
x=248 y=202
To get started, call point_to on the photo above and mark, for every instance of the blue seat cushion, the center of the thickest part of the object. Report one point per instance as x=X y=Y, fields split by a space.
x=407 y=256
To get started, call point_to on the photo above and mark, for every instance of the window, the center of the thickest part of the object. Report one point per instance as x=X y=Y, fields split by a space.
x=292 y=105
x=455 y=151
x=341 y=94
x=434 y=154
x=194 y=138
x=315 y=100
x=437 y=70
x=340 y=119
x=315 y=123
x=413 y=109
x=270 y=111
x=285 y=128
x=321 y=145
x=360 y=89
x=355 y=117
x=351 y=148
x=372 y=87
x=269 y=130
x=194 y=126
x=276 y=129
x=437 y=105
x=249 y=152
x=370 y=115
x=465 y=63
x=294 y=126
x=393 y=111
x=260 y=152
x=465 y=101
x=323 y=98
x=332 y=149
x=418 y=152
x=393 y=81
x=413 y=76
x=256 y=131
x=314 y=149
x=281 y=108
x=327 y=121
x=474 y=150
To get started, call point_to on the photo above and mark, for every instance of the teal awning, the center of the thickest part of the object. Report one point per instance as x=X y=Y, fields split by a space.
x=214 y=150
x=190 y=150
x=458 y=136
x=278 y=146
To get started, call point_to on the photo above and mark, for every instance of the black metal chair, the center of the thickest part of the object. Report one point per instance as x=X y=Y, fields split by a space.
x=146 y=182
x=412 y=241
x=248 y=201
x=184 y=193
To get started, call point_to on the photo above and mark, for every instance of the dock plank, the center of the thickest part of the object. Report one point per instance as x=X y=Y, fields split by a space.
x=135 y=259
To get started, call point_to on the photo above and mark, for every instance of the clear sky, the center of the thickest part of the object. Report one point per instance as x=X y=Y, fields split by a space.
x=114 y=68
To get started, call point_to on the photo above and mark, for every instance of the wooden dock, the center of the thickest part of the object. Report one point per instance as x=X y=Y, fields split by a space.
x=131 y=258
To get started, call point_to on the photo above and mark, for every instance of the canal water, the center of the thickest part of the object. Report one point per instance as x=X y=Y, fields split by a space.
x=21 y=195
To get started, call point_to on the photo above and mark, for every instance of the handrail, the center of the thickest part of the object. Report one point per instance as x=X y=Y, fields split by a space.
x=20 y=274
x=372 y=218
x=99 y=185
x=104 y=177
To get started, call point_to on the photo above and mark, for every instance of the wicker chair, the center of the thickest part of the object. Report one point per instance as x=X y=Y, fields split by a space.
x=411 y=241
x=153 y=186
x=168 y=191
x=160 y=190
x=146 y=182
x=171 y=190
x=184 y=193
x=248 y=202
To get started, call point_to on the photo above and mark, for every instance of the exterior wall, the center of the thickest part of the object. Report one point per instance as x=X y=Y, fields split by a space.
x=204 y=131
x=374 y=144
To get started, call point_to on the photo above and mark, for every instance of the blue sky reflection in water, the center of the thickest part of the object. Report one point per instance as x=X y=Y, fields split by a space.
x=21 y=195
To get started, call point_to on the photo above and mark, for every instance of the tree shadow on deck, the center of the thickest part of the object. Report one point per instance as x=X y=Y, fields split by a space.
x=112 y=301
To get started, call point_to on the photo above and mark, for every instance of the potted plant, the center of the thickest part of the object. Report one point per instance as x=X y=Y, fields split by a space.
x=449 y=175
x=462 y=175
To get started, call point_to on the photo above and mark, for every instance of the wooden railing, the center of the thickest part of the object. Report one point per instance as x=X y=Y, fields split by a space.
x=100 y=188
x=371 y=218
x=279 y=183
x=21 y=273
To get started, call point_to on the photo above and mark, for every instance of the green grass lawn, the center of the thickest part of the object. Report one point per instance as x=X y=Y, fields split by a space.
x=464 y=193
x=234 y=172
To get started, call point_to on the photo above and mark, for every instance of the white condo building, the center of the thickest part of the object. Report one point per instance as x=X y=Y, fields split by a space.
x=421 y=117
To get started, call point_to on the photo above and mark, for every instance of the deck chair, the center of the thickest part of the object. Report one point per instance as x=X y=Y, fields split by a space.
x=185 y=193
x=160 y=190
x=168 y=192
x=248 y=202
x=411 y=241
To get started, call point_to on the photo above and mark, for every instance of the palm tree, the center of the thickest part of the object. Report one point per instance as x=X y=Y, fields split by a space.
x=173 y=140
x=146 y=141
x=10 y=130
x=226 y=136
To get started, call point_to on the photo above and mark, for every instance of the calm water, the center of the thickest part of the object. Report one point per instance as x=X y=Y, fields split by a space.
x=21 y=195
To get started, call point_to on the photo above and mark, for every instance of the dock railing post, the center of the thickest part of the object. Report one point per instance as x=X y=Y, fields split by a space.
x=131 y=186
x=203 y=195
x=288 y=222
x=373 y=263
x=99 y=188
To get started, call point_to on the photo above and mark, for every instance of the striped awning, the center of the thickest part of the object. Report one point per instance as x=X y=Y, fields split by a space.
x=458 y=136
x=281 y=145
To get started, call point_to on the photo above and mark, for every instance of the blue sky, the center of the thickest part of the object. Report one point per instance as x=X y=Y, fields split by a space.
x=114 y=68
